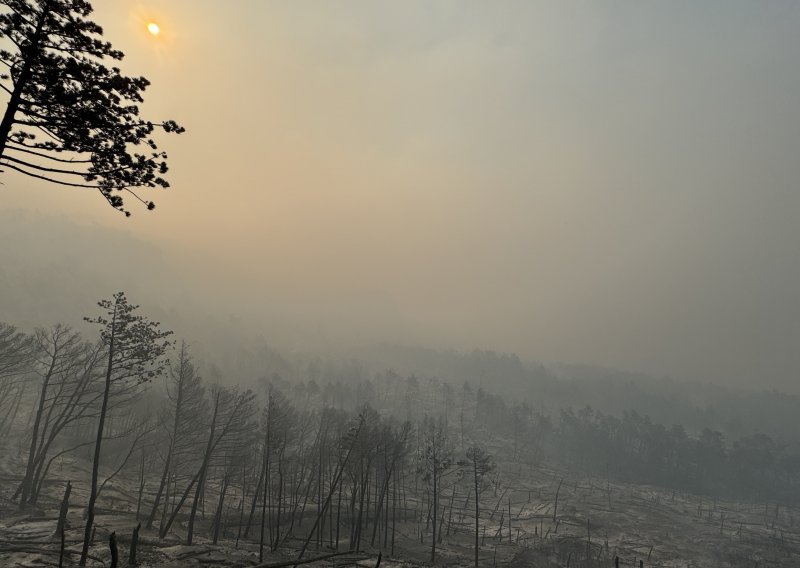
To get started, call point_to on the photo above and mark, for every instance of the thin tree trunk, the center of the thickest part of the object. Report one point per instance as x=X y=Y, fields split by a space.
x=141 y=488
x=62 y=515
x=29 y=469
x=320 y=479
x=256 y=496
x=509 y=521
x=477 y=510
x=218 y=516
x=167 y=504
x=161 y=485
x=386 y=520
x=330 y=509
x=98 y=442
x=450 y=515
x=555 y=507
x=266 y=482
x=435 y=509
x=201 y=482
x=241 y=521
x=175 y=426
x=197 y=479
x=338 y=518
x=394 y=509
x=279 y=501
x=332 y=489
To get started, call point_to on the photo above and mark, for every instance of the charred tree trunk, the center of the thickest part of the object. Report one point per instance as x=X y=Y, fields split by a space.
x=266 y=482
x=29 y=469
x=338 y=518
x=257 y=495
x=332 y=488
x=98 y=442
x=30 y=56
x=62 y=515
x=161 y=485
x=477 y=511
x=555 y=507
x=141 y=488
x=218 y=516
x=134 y=544
x=196 y=480
x=201 y=481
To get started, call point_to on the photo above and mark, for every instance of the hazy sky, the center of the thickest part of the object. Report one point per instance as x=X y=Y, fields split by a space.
x=606 y=182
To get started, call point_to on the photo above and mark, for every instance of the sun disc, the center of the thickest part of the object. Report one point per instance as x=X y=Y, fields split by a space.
x=153 y=28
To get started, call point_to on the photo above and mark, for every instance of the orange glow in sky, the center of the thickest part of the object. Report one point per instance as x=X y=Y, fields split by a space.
x=153 y=28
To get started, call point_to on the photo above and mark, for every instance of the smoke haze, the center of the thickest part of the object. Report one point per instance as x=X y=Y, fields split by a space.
x=608 y=183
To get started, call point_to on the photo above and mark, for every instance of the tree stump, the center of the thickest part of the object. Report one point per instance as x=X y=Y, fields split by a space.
x=134 y=542
x=62 y=515
x=112 y=543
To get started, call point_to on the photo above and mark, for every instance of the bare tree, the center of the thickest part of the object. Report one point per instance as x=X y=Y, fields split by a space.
x=350 y=439
x=61 y=355
x=394 y=447
x=437 y=459
x=479 y=460
x=187 y=404
x=16 y=350
x=230 y=416
x=279 y=421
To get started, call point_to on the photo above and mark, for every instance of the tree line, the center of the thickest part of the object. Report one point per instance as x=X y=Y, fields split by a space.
x=633 y=448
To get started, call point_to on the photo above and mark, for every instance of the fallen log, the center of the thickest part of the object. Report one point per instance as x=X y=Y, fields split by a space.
x=310 y=560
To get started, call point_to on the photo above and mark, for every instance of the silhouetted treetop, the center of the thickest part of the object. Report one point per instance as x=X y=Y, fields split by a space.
x=71 y=119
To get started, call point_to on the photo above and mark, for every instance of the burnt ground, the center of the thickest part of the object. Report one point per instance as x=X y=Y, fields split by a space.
x=596 y=521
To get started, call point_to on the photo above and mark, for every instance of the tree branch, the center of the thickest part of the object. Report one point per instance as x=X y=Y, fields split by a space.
x=42 y=155
x=45 y=178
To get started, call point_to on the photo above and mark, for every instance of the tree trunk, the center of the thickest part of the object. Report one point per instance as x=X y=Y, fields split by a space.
x=477 y=511
x=98 y=442
x=29 y=469
x=555 y=507
x=266 y=482
x=141 y=488
x=164 y=481
x=218 y=516
x=394 y=510
x=201 y=482
x=29 y=60
x=61 y=549
x=279 y=501
x=435 y=508
x=450 y=513
x=509 y=521
x=134 y=544
x=332 y=488
x=112 y=544
x=195 y=480
x=338 y=518
x=62 y=515
x=256 y=495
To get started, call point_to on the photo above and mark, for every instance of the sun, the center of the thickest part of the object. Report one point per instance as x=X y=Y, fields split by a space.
x=153 y=28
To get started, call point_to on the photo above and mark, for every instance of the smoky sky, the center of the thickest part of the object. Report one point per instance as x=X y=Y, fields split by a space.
x=612 y=183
